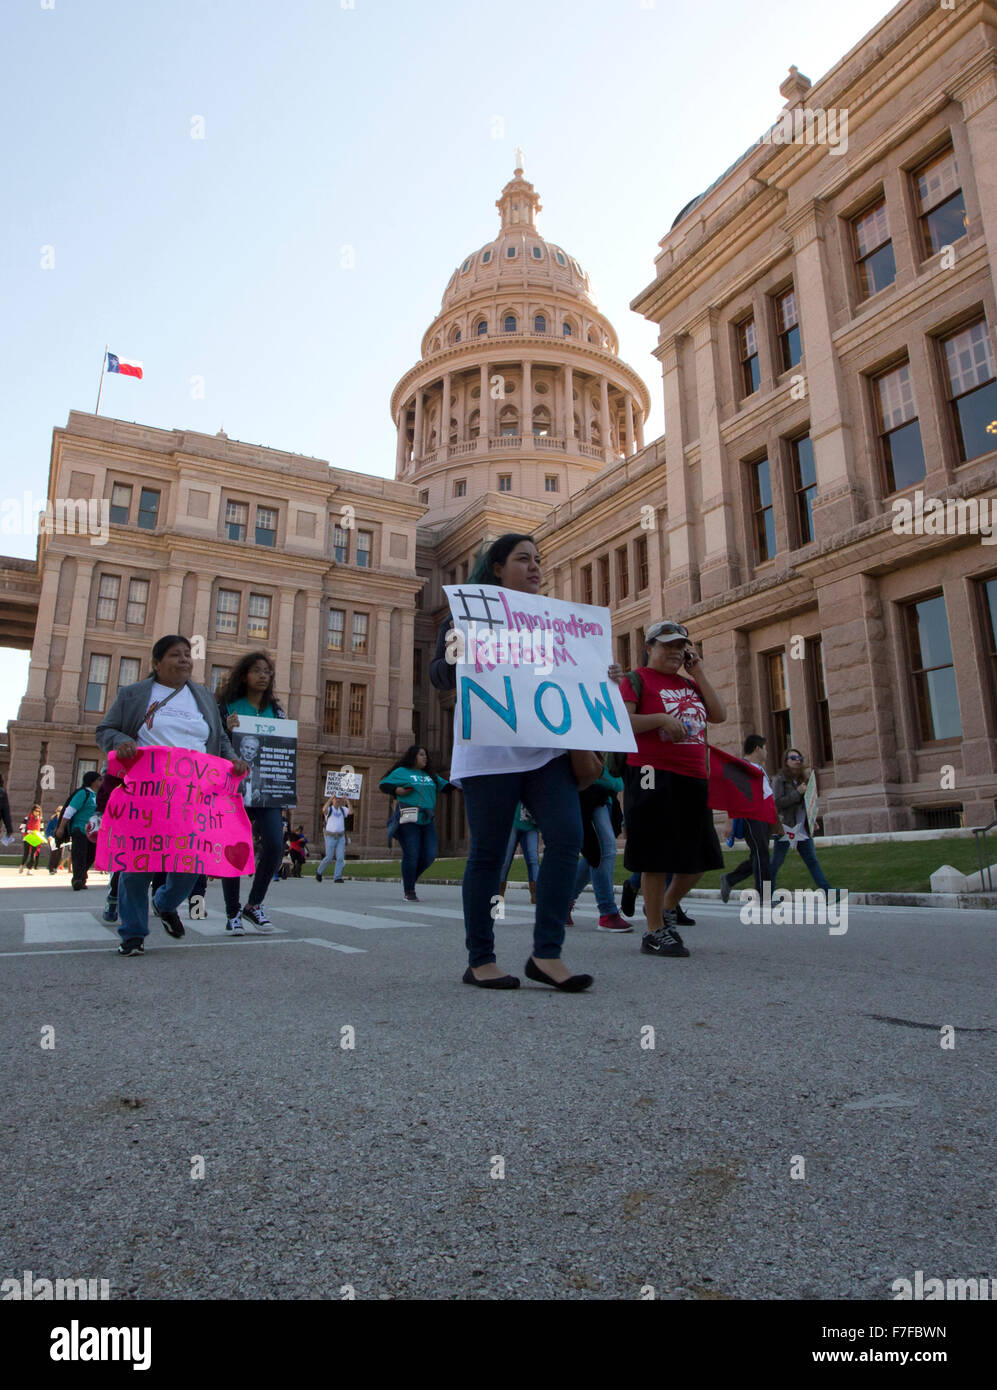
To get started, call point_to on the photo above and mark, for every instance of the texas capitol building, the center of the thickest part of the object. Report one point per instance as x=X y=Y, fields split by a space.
x=825 y=313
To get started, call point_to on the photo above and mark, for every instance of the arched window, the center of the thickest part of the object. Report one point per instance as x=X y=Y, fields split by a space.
x=486 y=257
x=457 y=336
x=593 y=336
x=559 y=257
x=566 y=329
x=454 y=336
x=474 y=424
x=537 y=253
x=541 y=421
x=464 y=268
x=510 y=252
x=509 y=421
x=539 y=324
x=509 y=325
x=452 y=434
x=482 y=328
x=436 y=344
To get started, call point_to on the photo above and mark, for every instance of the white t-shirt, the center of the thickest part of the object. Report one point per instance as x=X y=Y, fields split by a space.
x=180 y=724
x=483 y=760
x=335 y=820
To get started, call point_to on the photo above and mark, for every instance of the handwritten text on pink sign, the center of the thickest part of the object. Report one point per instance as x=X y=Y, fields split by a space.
x=177 y=811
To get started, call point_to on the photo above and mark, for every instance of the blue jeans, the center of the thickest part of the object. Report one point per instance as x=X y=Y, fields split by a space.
x=335 y=848
x=550 y=794
x=133 y=900
x=602 y=877
x=266 y=819
x=809 y=856
x=530 y=842
x=419 y=847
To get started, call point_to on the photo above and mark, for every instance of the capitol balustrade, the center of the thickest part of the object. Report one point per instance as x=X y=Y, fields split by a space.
x=539 y=443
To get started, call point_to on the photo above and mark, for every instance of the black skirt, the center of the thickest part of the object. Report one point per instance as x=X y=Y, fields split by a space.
x=669 y=825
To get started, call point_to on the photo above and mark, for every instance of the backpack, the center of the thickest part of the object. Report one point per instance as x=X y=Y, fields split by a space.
x=66 y=835
x=616 y=762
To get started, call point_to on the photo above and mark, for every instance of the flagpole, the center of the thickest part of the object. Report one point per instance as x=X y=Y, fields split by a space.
x=103 y=364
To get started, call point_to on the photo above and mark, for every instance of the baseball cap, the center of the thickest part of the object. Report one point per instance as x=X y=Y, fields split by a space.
x=666 y=631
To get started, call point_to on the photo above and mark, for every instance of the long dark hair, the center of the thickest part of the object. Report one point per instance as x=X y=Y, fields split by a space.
x=495 y=554
x=163 y=646
x=411 y=753
x=803 y=763
x=233 y=687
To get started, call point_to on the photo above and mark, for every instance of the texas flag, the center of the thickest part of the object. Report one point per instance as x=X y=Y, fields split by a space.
x=123 y=366
x=738 y=787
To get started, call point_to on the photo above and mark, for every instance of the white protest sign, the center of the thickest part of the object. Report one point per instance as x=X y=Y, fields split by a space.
x=532 y=671
x=345 y=784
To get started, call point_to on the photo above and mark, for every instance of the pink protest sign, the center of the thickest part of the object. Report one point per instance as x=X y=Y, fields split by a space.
x=177 y=811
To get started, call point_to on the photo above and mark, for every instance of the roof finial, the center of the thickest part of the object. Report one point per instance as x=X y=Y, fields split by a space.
x=520 y=160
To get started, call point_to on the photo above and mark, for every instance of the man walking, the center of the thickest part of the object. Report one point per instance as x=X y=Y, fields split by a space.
x=756 y=832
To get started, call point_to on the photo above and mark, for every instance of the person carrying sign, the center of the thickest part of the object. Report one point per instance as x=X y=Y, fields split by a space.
x=493 y=780
x=666 y=810
x=165 y=710
x=415 y=788
x=249 y=690
x=788 y=787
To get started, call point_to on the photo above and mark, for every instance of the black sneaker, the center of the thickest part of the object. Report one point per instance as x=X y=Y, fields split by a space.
x=134 y=946
x=683 y=919
x=628 y=899
x=318 y=876
x=663 y=942
x=724 y=888
x=411 y=898
x=171 y=921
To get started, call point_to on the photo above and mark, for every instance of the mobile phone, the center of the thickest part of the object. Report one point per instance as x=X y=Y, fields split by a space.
x=688 y=658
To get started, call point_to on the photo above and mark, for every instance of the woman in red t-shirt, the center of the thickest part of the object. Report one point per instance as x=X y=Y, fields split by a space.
x=668 y=820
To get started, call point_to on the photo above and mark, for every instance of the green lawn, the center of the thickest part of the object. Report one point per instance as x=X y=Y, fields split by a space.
x=896 y=866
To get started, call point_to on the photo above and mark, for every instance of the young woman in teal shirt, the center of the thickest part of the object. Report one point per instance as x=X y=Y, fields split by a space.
x=249 y=691
x=415 y=786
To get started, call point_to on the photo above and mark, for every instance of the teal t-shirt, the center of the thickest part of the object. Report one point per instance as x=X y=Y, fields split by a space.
x=424 y=787
x=84 y=802
x=244 y=707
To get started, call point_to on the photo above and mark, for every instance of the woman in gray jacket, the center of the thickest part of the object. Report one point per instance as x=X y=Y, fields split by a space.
x=165 y=710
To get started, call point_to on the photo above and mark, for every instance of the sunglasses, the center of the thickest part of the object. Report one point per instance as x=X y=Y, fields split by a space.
x=793 y=758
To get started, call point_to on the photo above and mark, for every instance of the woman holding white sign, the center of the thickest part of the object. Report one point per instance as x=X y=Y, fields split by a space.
x=493 y=780
x=788 y=788
x=248 y=690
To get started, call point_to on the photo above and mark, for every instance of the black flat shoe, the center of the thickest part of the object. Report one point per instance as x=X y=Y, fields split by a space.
x=503 y=982
x=574 y=984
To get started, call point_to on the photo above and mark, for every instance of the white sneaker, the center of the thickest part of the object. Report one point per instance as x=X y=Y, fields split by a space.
x=234 y=927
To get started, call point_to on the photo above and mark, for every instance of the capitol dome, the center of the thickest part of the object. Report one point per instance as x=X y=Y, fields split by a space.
x=519 y=388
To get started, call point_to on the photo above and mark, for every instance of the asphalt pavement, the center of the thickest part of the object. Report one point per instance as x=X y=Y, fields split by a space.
x=331 y=1111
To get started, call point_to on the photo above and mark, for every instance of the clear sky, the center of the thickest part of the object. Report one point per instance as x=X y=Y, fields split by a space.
x=384 y=126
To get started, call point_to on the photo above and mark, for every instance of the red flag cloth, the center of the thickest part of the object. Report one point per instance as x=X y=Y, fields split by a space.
x=738 y=787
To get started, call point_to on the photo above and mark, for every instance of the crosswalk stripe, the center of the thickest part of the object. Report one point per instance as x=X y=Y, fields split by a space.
x=335 y=917
x=332 y=945
x=43 y=928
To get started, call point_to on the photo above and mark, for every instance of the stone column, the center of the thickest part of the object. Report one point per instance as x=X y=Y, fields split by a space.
x=67 y=706
x=308 y=707
x=285 y=632
x=382 y=659
x=526 y=424
x=640 y=429
x=33 y=704
x=484 y=408
x=417 y=448
x=629 y=408
x=202 y=623
x=976 y=90
x=720 y=569
x=863 y=703
x=682 y=583
x=401 y=450
x=840 y=501
x=168 y=606
x=569 y=404
x=445 y=414
x=604 y=427
x=406 y=646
